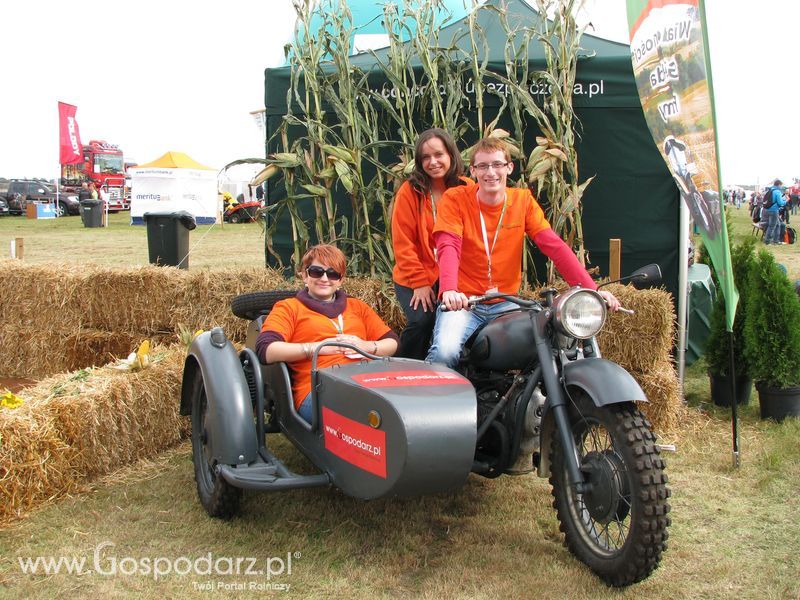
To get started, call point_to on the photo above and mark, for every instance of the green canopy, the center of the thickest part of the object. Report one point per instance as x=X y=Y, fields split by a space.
x=632 y=197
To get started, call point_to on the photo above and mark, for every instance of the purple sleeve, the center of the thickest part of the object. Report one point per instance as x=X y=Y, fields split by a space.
x=264 y=339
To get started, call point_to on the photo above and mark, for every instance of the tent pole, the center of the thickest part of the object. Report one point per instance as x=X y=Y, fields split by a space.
x=683 y=289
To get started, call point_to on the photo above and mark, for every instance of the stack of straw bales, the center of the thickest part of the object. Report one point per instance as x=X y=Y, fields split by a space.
x=73 y=427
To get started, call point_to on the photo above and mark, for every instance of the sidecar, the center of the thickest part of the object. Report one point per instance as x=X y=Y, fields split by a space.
x=387 y=427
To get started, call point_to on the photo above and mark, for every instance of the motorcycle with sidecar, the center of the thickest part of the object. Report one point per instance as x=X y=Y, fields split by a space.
x=531 y=393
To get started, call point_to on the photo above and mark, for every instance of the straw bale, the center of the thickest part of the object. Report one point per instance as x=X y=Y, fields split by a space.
x=643 y=341
x=75 y=426
x=40 y=351
x=136 y=299
x=206 y=298
x=665 y=409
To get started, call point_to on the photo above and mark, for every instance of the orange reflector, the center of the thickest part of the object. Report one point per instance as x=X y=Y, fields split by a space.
x=374 y=419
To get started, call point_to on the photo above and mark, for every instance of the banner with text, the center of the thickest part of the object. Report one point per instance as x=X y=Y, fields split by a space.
x=70 y=150
x=669 y=52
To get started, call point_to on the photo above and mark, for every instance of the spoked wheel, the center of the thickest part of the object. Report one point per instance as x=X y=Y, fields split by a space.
x=618 y=527
x=218 y=497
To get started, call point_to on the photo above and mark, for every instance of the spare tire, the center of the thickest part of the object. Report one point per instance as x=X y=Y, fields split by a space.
x=254 y=304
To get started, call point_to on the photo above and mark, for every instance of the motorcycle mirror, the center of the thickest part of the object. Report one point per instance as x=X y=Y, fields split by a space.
x=644 y=277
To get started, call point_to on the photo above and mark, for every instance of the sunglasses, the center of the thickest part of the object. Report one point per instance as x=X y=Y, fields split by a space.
x=317 y=272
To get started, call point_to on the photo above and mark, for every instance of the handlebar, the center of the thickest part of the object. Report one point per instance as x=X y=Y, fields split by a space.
x=343 y=345
x=518 y=301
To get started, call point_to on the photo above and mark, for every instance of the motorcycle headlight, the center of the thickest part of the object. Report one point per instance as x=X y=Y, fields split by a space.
x=579 y=313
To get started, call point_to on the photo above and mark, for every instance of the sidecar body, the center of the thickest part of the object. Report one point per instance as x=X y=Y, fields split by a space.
x=390 y=427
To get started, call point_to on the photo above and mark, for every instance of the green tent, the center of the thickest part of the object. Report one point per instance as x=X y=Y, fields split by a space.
x=633 y=196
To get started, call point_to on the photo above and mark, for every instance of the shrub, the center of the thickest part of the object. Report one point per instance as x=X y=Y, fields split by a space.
x=772 y=327
x=718 y=343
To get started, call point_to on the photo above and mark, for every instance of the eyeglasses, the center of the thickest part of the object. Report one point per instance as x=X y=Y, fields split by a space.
x=316 y=272
x=481 y=167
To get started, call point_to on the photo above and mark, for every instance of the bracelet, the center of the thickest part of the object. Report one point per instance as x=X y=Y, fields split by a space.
x=375 y=351
x=307 y=351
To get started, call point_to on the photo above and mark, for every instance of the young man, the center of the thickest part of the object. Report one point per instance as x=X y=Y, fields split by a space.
x=479 y=233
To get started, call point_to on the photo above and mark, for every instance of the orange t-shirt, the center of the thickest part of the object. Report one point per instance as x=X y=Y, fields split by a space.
x=298 y=324
x=412 y=239
x=458 y=214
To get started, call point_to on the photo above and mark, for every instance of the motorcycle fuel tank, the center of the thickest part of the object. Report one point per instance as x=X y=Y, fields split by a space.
x=504 y=344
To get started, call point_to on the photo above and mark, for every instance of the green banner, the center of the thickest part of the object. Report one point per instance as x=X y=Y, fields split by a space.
x=669 y=52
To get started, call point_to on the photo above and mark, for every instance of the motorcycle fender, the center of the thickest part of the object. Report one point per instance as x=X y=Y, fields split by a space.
x=229 y=414
x=604 y=381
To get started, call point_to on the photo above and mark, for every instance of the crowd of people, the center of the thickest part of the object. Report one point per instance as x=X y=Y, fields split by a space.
x=454 y=237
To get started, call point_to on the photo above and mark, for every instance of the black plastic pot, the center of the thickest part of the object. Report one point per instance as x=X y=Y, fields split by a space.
x=778 y=403
x=721 y=389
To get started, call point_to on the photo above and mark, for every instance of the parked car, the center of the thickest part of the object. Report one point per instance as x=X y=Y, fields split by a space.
x=3 y=208
x=22 y=191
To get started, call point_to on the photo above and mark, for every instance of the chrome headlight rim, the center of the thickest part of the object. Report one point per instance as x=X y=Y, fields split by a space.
x=562 y=303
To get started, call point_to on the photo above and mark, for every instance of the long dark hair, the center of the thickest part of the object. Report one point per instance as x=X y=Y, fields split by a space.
x=419 y=179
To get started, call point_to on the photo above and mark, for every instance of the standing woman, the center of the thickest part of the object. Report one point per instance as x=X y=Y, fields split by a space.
x=437 y=167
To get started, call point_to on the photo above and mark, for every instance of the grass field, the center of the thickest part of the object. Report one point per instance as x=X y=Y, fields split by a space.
x=735 y=532
x=66 y=240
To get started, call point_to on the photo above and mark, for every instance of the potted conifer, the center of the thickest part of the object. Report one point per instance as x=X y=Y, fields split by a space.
x=718 y=343
x=772 y=338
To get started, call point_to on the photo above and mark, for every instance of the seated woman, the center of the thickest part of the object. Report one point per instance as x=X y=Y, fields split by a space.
x=320 y=313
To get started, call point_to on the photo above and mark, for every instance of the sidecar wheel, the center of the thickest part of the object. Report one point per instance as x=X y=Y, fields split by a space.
x=254 y=304
x=619 y=528
x=218 y=497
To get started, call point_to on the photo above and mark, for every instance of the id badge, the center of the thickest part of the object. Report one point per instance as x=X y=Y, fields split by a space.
x=492 y=290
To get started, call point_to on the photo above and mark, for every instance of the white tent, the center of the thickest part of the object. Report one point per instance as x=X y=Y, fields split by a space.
x=174 y=183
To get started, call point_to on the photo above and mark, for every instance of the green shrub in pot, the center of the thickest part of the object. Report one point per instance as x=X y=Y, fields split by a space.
x=772 y=336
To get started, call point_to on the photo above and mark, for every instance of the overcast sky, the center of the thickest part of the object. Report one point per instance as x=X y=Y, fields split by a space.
x=183 y=75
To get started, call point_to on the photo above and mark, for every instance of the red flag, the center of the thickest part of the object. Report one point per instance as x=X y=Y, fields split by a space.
x=69 y=138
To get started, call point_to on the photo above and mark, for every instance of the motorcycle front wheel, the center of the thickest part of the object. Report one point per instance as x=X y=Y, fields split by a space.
x=619 y=526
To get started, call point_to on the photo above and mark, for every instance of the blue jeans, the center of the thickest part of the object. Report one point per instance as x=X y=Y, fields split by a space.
x=773 y=227
x=452 y=329
x=304 y=410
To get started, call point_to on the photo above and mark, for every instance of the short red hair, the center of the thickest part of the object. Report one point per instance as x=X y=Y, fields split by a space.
x=325 y=254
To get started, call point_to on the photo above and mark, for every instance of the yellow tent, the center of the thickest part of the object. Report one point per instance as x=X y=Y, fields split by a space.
x=175 y=160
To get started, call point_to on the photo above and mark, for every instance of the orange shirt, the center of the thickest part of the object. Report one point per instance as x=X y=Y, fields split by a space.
x=298 y=324
x=459 y=215
x=412 y=239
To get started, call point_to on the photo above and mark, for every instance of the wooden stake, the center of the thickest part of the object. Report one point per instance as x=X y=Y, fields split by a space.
x=19 y=248
x=614 y=258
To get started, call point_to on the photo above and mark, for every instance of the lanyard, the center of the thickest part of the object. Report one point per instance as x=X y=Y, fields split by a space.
x=486 y=238
x=339 y=326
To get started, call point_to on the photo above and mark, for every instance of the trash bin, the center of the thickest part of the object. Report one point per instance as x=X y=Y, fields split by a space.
x=168 y=238
x=92 y=213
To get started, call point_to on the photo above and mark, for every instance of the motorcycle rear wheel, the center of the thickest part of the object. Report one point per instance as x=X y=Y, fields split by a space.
x=619 y=528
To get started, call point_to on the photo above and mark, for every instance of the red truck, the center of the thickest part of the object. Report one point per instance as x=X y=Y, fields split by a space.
x=103 y=164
